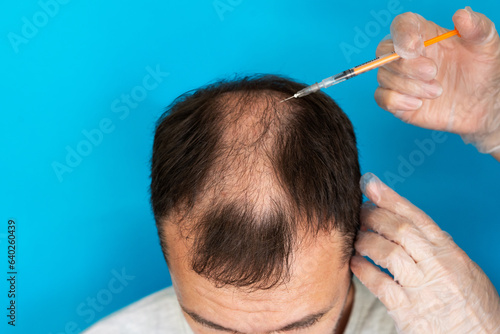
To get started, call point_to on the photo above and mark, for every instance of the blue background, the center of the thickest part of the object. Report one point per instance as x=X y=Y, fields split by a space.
x=67 y=77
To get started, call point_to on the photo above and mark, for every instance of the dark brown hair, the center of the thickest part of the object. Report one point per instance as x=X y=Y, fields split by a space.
x=247 y=173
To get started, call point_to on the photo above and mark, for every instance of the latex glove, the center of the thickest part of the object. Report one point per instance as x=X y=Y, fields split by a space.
x=453 y=85
x=436 y=288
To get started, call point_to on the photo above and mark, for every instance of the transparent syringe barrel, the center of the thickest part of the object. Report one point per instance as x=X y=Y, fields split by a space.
x=328 y=82
x=335 y=79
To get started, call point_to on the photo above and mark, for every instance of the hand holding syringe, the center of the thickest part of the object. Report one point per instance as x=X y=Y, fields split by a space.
x=352 y=72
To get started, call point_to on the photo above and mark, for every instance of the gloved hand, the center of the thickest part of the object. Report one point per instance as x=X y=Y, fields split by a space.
x=453 y=85
x=436 y=288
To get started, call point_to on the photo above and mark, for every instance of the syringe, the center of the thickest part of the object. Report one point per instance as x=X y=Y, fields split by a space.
x=352 y=72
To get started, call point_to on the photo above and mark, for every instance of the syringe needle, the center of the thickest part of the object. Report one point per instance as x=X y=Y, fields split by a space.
x=291 y=97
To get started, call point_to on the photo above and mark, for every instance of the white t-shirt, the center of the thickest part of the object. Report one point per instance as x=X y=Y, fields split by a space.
x=160 y=313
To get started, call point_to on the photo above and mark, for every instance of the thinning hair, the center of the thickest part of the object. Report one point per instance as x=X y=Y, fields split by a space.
x=243 y=173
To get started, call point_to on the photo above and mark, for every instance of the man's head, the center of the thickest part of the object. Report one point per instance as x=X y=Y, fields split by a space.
x=257 y=205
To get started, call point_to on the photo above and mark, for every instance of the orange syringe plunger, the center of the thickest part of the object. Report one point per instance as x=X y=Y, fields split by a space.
x=365 y=67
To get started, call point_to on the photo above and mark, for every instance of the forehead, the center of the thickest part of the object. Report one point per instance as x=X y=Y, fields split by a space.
x=316 y=267
x=318 y=282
